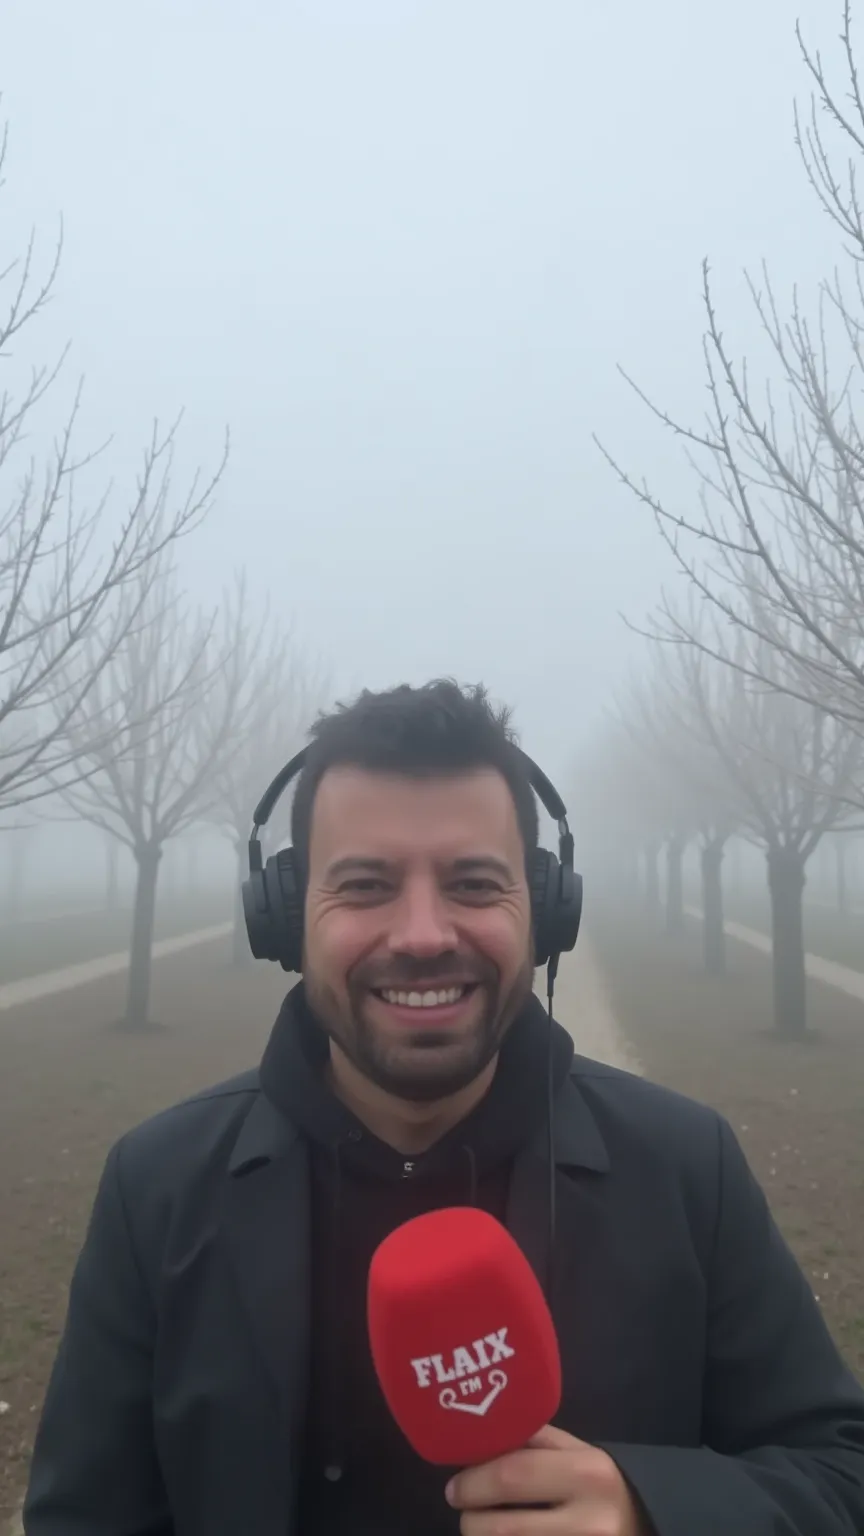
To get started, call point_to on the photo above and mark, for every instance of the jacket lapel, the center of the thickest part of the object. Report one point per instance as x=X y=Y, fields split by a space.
x=579 y=1147
x=266 y=1229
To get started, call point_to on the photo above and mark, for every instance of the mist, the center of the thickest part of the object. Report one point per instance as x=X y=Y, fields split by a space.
x=347 y=300
x=400 y=250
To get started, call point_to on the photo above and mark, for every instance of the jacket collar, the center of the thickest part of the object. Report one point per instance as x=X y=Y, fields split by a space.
x=578 y=1139
x=266 y=1134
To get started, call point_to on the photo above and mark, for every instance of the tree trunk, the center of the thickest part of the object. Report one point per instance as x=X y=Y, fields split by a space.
x=786 y=878
x=141 y=945
x=675 y=885
x=840 y=850
x=192 y=868
x=713 y=926
x=15 y=848
x=112 y=881
x=652 y=877
x=735 y=858
x=240 y=951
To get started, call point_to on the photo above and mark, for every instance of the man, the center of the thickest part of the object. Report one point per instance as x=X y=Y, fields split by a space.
x=214 y=1377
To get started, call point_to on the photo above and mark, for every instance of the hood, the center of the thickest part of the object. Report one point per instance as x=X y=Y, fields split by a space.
x=509 y=1116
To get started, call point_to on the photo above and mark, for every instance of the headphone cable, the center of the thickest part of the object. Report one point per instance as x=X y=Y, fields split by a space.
x=551 y=973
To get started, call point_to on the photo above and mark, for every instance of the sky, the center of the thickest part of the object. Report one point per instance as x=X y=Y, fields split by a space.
x=400 y=247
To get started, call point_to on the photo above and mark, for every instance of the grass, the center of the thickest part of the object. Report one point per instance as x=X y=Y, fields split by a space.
x=797 y=1109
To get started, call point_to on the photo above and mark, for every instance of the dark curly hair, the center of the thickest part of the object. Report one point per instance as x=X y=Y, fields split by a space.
x=438 y=728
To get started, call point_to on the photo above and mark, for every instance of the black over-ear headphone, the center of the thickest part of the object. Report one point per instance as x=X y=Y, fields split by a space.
x=273 y=894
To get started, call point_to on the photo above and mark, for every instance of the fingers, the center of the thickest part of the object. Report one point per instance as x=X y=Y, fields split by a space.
x=524 y=1522
x=532 y=1476
x=552 y=1439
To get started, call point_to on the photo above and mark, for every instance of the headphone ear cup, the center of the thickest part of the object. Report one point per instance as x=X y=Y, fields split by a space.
x=556 y=906
x=543 y=884
x=285 y=899
x=259 y=929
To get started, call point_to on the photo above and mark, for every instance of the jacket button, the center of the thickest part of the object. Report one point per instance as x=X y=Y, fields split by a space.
x=333 y=1474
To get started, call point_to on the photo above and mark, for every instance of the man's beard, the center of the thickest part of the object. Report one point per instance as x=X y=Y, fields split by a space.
x=402 y=1072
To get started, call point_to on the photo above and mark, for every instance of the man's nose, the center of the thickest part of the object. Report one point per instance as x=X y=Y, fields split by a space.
x=422 y=923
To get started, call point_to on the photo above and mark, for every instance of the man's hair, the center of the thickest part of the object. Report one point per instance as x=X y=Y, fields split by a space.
x=430 y=731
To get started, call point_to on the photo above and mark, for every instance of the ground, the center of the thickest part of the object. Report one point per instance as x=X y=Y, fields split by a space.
x=30 y=946
x=798 y=1109
x=837 y=936
x=70 y=1084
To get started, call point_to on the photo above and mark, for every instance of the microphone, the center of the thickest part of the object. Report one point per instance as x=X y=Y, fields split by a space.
x=462 y=1340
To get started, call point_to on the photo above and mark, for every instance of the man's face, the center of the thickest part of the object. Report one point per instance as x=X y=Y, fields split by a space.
x=418 y=949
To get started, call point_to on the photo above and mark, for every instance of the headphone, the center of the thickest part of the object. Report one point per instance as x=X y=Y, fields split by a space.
x=273 y=893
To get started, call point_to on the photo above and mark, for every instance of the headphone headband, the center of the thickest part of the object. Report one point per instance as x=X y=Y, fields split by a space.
x=273 y=897
x=542 y=786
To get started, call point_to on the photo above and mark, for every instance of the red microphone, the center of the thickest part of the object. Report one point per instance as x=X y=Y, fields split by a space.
x=462 y=1340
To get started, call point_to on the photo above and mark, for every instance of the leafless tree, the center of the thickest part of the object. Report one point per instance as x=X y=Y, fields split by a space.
x=788 y=765
x=173 y=696
x=112 y=872
x=18 y=834
x=627 y=818
x=699 y=801
x=777 y=544
x=282 y=691
x=66 y=570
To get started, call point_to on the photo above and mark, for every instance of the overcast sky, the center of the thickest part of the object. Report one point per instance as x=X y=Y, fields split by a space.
x=400 y=247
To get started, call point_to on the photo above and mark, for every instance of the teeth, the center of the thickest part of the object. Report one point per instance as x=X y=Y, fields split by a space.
x=428 y=999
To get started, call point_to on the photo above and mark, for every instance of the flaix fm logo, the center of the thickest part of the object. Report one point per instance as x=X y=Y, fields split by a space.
x=474 y=1368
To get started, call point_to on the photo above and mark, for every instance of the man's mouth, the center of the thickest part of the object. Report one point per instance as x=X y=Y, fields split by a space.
x=425 y=997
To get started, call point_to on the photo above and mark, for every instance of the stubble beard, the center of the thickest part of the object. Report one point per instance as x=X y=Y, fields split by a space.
x=402 y=1072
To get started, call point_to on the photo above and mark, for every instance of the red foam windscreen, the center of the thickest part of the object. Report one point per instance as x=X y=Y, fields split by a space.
x=462 y=1339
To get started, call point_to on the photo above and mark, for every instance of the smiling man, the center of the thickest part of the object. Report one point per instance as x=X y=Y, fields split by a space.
x=418 y=952
x=215 y=1376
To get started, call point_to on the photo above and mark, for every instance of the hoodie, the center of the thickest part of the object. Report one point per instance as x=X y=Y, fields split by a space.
x=360 y=1477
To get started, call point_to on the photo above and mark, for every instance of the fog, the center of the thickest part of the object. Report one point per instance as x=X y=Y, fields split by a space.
x=400 y=255
x=400 y=248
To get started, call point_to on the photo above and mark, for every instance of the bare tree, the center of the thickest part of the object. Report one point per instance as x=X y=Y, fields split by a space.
x=628 y=816
x=282 y=692
x=173 y=696
x=788 y=764
x=777 y=544
x=700 y=802
x=17 y=839
x=66 y=571
x=112 y=872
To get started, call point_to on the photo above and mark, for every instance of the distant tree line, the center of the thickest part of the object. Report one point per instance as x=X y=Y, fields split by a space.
x=748 y=718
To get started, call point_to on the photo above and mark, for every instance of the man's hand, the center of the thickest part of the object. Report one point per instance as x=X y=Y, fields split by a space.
x=580 y=1489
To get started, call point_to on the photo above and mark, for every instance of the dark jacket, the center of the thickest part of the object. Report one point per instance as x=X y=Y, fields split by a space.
x=693 y=1349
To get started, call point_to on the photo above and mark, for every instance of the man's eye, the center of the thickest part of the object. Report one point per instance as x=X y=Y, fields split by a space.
x=477 y=886
x=363 y=886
